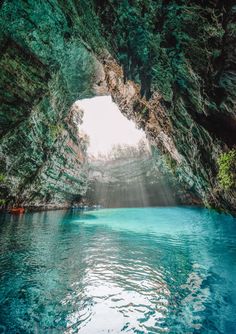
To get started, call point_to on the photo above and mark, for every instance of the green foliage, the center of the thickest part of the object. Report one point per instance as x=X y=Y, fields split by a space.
x=227 y=170
x=2 y=178
x=127 y=152
x=56 y=130
x=2 y=202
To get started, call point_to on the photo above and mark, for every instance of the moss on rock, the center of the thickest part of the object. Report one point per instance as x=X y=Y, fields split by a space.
x=227 y=170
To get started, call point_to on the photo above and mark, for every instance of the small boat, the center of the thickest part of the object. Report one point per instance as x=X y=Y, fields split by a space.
x=17 y=210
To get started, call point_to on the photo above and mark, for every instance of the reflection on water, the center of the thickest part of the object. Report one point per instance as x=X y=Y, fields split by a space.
x=149 y=270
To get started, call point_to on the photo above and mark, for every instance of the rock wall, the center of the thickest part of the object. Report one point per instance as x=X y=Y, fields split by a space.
x=181 y=55
x=44 y=70
x=169 y=65
x=135 y=181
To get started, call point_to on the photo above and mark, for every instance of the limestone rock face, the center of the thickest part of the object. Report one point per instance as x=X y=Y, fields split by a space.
x=135 y=181
x=44 y=70
x=169 y=65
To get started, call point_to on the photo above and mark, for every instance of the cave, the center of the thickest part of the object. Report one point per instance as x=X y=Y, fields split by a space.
x=139 y=238
x=54 y=54
x=123 y=171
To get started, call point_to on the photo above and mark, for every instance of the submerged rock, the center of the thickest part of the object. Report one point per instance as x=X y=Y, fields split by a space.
x=170 y=66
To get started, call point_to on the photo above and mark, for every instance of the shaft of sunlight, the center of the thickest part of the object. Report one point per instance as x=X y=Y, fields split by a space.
x=120 y=159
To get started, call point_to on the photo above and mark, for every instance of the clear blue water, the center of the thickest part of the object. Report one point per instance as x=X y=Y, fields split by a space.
x=147 y=270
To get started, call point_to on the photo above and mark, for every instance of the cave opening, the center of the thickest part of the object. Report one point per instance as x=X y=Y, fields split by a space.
x=121 y=168
x=107 y=127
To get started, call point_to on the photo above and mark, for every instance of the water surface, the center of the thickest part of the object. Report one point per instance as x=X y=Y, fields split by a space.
x=147 y=270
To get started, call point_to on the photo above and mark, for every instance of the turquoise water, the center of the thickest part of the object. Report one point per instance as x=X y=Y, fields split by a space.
x=147 y=270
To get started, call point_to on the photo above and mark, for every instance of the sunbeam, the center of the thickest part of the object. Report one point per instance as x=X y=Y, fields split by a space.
x=122 y=171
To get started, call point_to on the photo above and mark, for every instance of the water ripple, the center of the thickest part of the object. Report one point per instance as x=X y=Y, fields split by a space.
x=141 y=271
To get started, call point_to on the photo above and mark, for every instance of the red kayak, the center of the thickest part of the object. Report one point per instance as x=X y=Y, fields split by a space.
x=17 y=210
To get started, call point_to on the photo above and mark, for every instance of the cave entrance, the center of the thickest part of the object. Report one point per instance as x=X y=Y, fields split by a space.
x=107 y=127
x=122 y=172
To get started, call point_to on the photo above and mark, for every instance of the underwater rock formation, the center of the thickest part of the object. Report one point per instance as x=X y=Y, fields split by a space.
x=169 y=65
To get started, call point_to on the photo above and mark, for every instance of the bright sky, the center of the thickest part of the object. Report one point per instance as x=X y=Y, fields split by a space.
x=106 y=126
